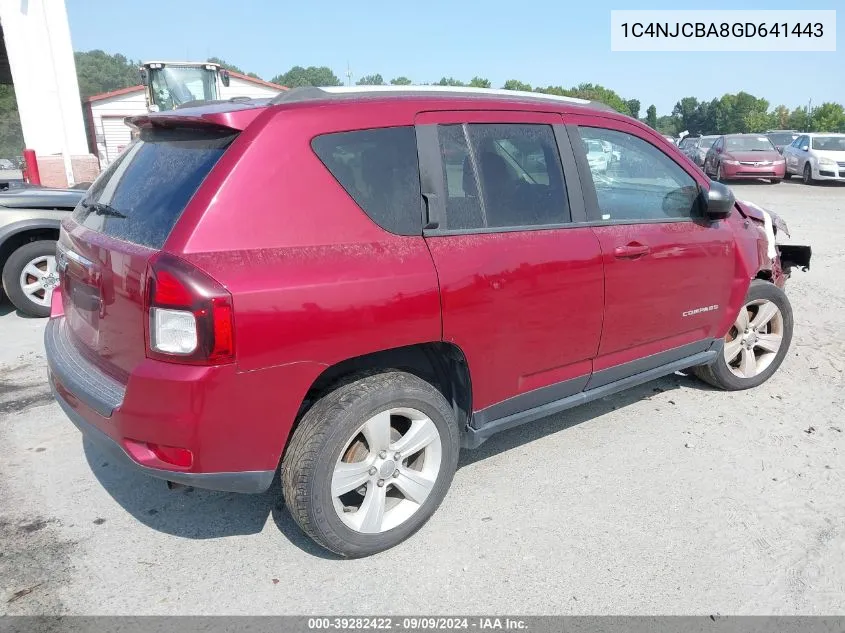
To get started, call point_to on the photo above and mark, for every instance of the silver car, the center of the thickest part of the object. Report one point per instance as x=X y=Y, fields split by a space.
x=698 y=151
x=819 y=156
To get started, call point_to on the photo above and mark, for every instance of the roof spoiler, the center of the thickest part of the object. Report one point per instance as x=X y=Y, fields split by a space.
x=234 y=114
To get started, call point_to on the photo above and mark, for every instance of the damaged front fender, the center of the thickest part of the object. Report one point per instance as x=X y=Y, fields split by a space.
x=775 y=261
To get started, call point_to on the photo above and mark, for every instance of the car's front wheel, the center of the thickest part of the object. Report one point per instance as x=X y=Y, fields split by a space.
x=757 y=342
x=807 y=175
x=370 y=462
x=29 y=277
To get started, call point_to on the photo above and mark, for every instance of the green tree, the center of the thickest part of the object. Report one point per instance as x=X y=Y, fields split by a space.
x=686 y=114
x=311 y=76
x=11 y=135
x=633 y=107
x=99 y=72
x=371 y=80
x=449 y=81
x=798 y=120
x=780 y=117
x=479 y=82
x=400 y=81
x=515 y=84
x=232 y=67
x=828 y=117
x=651 y=117
x=666 y=125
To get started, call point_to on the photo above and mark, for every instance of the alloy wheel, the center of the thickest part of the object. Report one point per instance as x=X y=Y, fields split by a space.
x=754 y=339
x=38 y=278
x=387 y=470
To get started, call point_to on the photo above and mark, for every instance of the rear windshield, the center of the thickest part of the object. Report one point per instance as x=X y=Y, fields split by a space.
x=140 y=197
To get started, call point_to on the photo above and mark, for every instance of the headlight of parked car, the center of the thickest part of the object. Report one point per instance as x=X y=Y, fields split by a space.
x=730 y=162
x=827 y=162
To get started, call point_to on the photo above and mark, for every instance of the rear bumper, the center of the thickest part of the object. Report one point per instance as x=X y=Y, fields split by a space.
x=208 y=411
x=247 y=482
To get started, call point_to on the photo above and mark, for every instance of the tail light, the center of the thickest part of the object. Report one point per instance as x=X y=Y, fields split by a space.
x=189 y=315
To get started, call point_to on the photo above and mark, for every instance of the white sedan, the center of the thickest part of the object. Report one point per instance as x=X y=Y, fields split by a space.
x=819 y=156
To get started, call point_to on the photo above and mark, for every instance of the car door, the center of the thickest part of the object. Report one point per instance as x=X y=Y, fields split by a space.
x=521 y=283
x=795 y=162
x=668 y=271
x=711 y=158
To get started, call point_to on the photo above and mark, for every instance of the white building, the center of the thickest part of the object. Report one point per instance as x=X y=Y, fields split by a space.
x=107 y=133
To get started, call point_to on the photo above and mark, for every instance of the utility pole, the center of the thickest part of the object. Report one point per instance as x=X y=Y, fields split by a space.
x=809 y=114
x=348 y=75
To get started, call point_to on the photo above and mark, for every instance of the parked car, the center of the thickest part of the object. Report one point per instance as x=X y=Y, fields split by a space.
x=363 y=305
x=597 y=157
x=29 y=228
x=686 y=142
x=743 y=157
x=698 y=151
x=782 y=138
x=815 y=157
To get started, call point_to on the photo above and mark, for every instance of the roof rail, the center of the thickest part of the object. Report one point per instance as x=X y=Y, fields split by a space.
x=333 y=93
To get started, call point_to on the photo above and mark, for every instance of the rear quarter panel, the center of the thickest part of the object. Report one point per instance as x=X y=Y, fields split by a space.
x=314 y=280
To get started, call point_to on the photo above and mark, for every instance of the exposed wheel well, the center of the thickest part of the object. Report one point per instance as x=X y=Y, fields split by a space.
x=14 y=242
x=441 y=364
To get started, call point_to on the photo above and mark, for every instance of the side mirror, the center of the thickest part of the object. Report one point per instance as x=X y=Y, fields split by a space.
x=805 y=148
x=224 y=77
x=718 y=150
x=719 y=201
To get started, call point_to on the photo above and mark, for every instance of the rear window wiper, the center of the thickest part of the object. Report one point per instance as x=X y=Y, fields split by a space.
x=100 y=208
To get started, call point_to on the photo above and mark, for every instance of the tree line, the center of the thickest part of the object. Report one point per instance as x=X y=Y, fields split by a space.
x=99 y=72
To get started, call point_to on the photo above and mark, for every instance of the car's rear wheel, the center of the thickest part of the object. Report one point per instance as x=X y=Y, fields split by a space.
x=29 y=277
x=774 y=181
x=370 y=462
x=807 y=175
x=757 y=342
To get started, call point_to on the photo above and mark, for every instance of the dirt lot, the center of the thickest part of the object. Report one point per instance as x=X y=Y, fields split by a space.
x=671 y=498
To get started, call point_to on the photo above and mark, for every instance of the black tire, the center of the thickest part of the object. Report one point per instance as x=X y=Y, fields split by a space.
x=718 y=374
x=774 y=181
x=786 y=174
x=12 y=272
x=807 y=174
x=325 y=431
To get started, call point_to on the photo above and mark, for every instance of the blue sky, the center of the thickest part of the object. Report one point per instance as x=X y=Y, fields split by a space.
x=542 y=42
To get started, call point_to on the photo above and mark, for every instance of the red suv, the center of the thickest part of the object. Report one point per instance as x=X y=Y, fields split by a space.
x=354 y=284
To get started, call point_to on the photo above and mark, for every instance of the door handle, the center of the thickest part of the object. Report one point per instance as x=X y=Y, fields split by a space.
x=630 y=251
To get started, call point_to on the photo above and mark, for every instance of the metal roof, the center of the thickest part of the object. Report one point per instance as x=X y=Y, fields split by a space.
x=331 y=93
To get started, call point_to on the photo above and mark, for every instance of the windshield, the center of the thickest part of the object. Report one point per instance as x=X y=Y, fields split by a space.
x=707 y=141
x=782 y=138
x=829 y=143
x=174 y=85
x=748 y=144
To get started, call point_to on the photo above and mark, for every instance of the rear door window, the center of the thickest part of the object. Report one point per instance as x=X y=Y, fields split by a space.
x=140 y=197
x=502 y=176
x=380 y=170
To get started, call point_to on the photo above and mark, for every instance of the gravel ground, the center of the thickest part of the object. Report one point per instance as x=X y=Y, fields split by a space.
x=670 y=499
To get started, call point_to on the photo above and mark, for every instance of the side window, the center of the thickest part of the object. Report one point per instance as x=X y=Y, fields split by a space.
x=379 y=169
x=637 y=181
x=502 y=175
x=719 y=143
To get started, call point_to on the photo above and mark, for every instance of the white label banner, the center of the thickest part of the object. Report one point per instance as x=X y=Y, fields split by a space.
x=723 y=30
